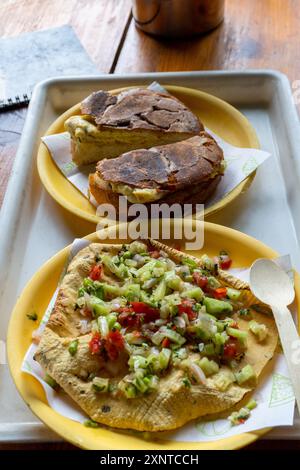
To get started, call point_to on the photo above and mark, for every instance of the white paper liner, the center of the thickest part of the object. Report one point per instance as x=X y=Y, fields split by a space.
x=275 y=396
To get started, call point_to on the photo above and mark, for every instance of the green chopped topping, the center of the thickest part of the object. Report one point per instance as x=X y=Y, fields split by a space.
x=51 y=382
x=223 y=380
x=245 y=375
x=251 y=404
x=217 y=307
x=32 y=316
x=245 y=313
x=89 y=423
x=100 y=385
x=192 y=264
x=73 y=346
x=208 y=367
x=186 y=382
x=239 y=334
x=164 y=318
x=258 y=329
x=239 y=417
x=233 y=294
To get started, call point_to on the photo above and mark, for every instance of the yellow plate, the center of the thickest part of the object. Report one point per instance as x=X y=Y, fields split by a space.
x=36 y=296
x=217 y=115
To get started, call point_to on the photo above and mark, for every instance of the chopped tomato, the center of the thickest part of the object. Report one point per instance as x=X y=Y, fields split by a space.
x=225 y=262
x=166 y=343
x=96 y=272
x=186 y=307
x=200 y=280
x=155 y=254
x=96 y=344
x=230 y=350
x=149 y=313
x=115 y=338
x=129 y=319
x=137 y=334
x=220 y=293
x=87 y=313
x=114 y=344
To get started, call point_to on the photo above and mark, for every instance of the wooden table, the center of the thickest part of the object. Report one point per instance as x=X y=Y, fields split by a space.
x=255 y=34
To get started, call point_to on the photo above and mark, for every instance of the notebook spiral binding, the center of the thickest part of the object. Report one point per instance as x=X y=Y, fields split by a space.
x=14 y=103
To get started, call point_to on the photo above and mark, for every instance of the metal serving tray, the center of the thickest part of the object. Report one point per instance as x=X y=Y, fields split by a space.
x=34 y=227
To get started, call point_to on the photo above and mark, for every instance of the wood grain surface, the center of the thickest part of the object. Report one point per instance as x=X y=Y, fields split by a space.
x=100 y=25
x=254 y=34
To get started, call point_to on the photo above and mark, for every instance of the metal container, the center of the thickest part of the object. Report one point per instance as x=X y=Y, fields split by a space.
x=177 y=18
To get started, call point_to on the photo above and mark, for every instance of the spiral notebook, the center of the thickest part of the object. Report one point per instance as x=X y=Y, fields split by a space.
x=31 y=57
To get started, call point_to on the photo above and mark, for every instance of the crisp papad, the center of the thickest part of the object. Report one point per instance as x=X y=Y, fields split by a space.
x=172 y=404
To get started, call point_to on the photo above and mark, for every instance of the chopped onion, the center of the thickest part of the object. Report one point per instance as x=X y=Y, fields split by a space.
x=115 y=304
x=179 y=322
x=160 y=322
x=139 y=259
x=197 y=373
x=171 y=265
x=150 y=283
x=183 y=270
x=85 y=327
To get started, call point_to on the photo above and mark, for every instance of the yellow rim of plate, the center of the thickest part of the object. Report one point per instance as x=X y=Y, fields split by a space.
x=46 y=165
x=19 y=339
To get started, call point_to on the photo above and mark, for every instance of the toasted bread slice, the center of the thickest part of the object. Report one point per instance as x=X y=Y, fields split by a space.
x=139 y=118
x=161 y=173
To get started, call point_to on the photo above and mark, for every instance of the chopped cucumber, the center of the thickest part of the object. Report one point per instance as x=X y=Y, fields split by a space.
x=258 y=329
x=100 y=385
x=132 y=292
x=137 y=247
x=217 y=307
x=191 y=263
x=99 y=307
x=120 y=271
x=207 y=263
x=207 y=349
x=219 y=340
x=245 y=375
x=160 y=291
x=233 y=294
x=172 y=335
x=195 y=293
x=73 y=346
x=208 y=367
x=251 y=404
x=239 y=334
x=173 y=281
x=213 y=282
x=223 y=380
x=103 y=326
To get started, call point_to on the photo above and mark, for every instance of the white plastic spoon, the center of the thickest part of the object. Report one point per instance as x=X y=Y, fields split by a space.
x=270 y=284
